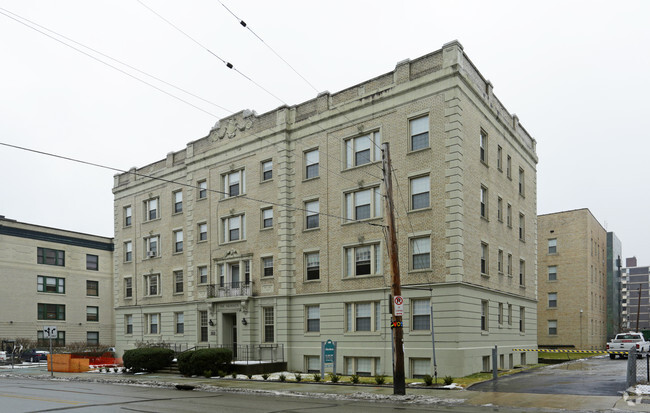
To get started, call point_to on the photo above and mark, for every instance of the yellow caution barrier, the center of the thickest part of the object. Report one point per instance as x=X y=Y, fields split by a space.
x=544 y=350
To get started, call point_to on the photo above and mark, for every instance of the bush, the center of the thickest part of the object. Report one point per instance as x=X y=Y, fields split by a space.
x=354 y=378
x=448 y=380
x=265 y=376
x=147 y=359
x=428 y=380
x=207 y=374
x=194 y=363
x=316 y=377
x=334 y=378
x=249 y=375
x=298 y=377
x=233 y=375
x=283 y=378
x=380 y=379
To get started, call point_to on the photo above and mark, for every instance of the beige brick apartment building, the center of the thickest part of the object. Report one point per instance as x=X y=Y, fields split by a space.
x=269 y=231
x=572 y=306
x=55 y=277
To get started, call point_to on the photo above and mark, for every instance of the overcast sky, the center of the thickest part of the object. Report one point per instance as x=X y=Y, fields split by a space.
x=575 y=72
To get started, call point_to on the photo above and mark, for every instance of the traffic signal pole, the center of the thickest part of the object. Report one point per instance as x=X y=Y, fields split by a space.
x=399 y=384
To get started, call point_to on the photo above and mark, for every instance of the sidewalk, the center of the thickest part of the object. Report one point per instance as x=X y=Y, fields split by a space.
x=346 y=390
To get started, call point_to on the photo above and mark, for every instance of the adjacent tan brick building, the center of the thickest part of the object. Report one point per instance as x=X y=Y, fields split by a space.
x=269 y=231
x=572 y=306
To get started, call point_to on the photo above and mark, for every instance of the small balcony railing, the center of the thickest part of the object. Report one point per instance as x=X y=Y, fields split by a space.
x=231 y=289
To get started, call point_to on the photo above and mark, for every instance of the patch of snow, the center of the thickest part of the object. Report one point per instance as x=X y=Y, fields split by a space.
x=453 y=386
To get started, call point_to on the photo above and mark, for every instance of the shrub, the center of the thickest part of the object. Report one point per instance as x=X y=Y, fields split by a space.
x=316 y=377
x=249 y=375
x=207 y=374
x=334 y=378
x=298 y=377
x=354 y=378
x=183 y=361
x=428 y=380
x=283 y=377
x=265 y=376
x=448 y=380
x=380 y=379
x=221 y=373
x=194 y=363
x=147 y=359
x=233 y=375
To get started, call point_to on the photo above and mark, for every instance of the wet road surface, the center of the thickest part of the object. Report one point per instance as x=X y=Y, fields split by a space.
x=596 y=376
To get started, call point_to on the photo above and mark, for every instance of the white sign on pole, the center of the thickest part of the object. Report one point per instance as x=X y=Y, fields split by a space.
x=50 y=332
x=398 y=306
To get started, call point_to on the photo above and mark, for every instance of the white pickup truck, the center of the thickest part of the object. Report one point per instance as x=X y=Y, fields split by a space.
x=624 y=341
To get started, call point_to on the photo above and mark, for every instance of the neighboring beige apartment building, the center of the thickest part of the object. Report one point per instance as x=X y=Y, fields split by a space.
x=572 y=306
x=54 y=277
x=269 y=232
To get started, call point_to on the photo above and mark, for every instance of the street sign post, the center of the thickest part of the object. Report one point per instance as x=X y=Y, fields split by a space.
x=328 y=356
x=51 y=332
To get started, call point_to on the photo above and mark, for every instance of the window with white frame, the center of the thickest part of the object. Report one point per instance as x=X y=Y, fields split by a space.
x=178 y=241
x=312 y=315
x=312 y=265
x=128 y=216
x=269 y=324
x=151 y=246
x=500 y=209
x=203 y=189
x=203 y=274
x=552 y=246
x=484 y=316
x=234 y=183
x=178 y=282
x=267 y=217
x=128 y=287
x=50 y=284
x=420 y=367
x=153 y=323
x=128 y=324
x=522 y=273
x=178 y=201
x=485 y=252
x=419 y=192
x=128 y=251
x=363 y=316
x=420 y=253
x=363 y=204
x=552 y=273
x=484 y=202
x=229 y=273
x=419 y=132
x=552 y=300
x=233 y=228
x=362 y=260
x=152 y=284
x=363 y=149
x=552 y=327
x=267 y=266
x=312 y=211
x=361 y=366
x=421 y=314
x=483 y=143
x=180 y=323
x=312 y=364
x=151 y=209
x=311 y=164
x=500 y=261
x=267 y=170
x=203 y=231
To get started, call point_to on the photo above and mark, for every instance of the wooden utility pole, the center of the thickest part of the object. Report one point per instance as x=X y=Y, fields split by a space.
x=399 y=384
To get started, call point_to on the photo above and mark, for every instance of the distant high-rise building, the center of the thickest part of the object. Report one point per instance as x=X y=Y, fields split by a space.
x=636 y=283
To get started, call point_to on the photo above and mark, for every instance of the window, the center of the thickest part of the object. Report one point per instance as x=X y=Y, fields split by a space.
x=500 y=314
x=269 y=325
x=362 y=260
x=420 y=253
x=180 y=323
x=233 y=228
x=363 y=149
x=500 y=209
x=509 y=314
x=51 y=311
x=153 y=323
x=128 y=216
x=267 y=265
x=267 y=217
x=361 y=366
x=228 y=274
x=522 y=182
x=484 y=202
x=552 y=327
x=233 y=183
x=500 y=261
x=312 y=364
x=312 y=313
x=267 y=170
x=509 y=265
x=92 y=262
x=203 y=231
x=522 y=273
x=203 y=274
x=552 y=300
x=522 y=227
x=59 y=341
x=50 y=284
x=552 y=246
x=92 y=288
x=128 y=251
x=203 y=326
x=178 y=282
x=151 y=246
x=363 y=316
x=484 y=258
x=178 y=241
x=363 y=204
x=312 y=210
x=203 y=189
x=312 y=263
x=128 y=324
x=419 y=131
x=421 y=314
x=92 y=338
x=483 y=142
x=522 y=319
x=499 y=157
x=484 y=316
x=178 y=201
x=552 y=273
x=92 y=313
x=50 y=257
x=509 y=215
x=151 y=209
x=152 y=284
x=420 y=192
x=509 y=167
x=311 y=164
x=420 y=368
x=128 y=287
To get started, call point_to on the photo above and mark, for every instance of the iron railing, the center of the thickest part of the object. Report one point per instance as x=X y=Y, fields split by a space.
x=231 y=289
x=255 y=353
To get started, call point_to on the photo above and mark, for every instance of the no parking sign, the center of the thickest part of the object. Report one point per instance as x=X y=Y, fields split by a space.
x=398 y=306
